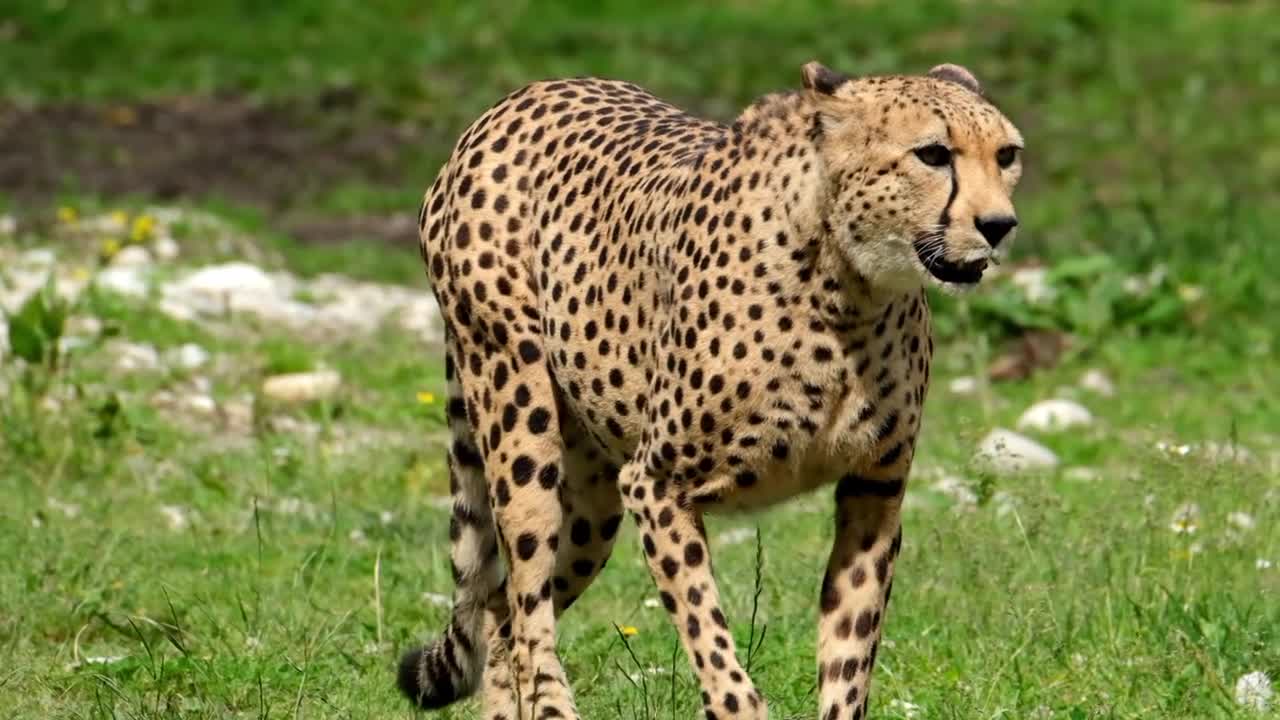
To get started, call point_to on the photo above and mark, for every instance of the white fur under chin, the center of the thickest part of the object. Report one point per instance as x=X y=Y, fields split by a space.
x=889 y=263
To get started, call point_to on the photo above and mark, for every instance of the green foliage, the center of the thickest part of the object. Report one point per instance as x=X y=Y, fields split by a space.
x=34 y=331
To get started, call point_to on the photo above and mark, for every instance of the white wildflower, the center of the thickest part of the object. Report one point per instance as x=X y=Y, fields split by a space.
x=1263 y=564
x=905 y=708
x=1242 y=520
x=357 y=536
x=1253 y=691
x=956 y=488
x=652 y=603
x=95 y=660
x=176 y=516
x=1181 y=450
x=1186 y=519
x=70 y=510
x=1004 y=502
x=964 y=385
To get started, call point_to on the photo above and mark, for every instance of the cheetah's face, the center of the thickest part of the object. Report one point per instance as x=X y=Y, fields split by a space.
x=922 y=172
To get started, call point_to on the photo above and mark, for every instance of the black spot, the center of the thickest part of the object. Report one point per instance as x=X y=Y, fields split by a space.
x=522 y=469
x=529 y=352
x=539 y=419
x=526 y=545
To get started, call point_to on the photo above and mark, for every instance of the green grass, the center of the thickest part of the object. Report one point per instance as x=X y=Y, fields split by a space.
x=1079 y=600
x=299 y=575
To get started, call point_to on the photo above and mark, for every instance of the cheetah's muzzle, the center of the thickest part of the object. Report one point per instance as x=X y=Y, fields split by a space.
x=948 y=271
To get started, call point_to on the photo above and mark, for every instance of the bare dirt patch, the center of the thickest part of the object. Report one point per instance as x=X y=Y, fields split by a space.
x=272 y=157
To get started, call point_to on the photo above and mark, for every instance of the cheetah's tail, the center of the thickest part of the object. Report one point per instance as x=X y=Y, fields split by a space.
x=444 y=670
x=449 y=668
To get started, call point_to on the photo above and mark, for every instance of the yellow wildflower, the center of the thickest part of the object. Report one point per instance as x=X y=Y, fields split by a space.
x=80 y=273
x=67 y=215
x=119 y=218
x=110 y=247
x=629 y=630
x=144 y=226
x=426 y=398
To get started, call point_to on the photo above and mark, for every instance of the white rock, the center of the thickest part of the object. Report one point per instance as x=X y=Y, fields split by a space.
x=302 y=387
x=1253 y=691
x=1034 y=284
x=964 y=385
x=234 y=277
x=238 y=415
x=187 y=356
x=132 y=357
x=71 y=343
x=1054 y=415
x=83 y=325
x=131 y=256
x=128 y=281
x=200 y=404
x=216 y=289
x=38 y=258
x=166 y=248
x=1005 y=452
x=1096 y=381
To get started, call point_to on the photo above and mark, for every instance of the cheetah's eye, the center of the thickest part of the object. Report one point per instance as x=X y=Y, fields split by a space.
x=934 y=155
x=1006 y=155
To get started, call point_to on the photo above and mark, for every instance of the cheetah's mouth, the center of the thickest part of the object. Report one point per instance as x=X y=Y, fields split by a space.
x=948 y=271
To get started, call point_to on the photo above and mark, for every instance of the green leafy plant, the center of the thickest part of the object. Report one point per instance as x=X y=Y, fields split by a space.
x=36 y=329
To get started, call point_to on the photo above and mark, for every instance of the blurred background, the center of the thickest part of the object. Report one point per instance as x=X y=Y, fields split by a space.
x=220 y=378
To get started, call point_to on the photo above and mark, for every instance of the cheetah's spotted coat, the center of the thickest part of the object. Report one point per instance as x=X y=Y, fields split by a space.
x=653 y=313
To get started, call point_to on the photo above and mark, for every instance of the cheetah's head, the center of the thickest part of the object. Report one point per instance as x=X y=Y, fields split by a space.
x=921 y=172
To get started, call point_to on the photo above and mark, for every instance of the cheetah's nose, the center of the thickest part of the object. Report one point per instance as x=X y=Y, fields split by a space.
x=994 y=229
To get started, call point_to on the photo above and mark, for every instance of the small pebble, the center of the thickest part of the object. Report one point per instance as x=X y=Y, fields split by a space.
x=302 y=387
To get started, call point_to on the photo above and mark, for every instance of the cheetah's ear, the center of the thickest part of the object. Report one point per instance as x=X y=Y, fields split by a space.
x=820 y=78
x=957 y=75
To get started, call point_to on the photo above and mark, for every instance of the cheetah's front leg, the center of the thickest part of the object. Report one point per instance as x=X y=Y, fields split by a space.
x=676 y=548
x=856 y=590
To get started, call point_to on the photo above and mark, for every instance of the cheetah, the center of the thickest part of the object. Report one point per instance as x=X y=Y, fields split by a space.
x=655 y=315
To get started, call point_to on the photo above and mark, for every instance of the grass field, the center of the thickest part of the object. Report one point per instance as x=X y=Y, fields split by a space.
x=164 y=563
